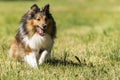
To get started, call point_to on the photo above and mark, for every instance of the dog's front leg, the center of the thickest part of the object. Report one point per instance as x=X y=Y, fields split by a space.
x=43 y=56
x=30 y=59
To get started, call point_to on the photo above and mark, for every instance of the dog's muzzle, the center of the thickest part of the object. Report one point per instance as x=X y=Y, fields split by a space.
x=41 y=29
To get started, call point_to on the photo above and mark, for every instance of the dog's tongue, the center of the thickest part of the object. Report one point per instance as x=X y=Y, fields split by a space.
x=41 y=32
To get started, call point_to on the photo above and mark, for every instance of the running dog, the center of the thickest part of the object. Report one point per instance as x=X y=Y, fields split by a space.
x=35 y=37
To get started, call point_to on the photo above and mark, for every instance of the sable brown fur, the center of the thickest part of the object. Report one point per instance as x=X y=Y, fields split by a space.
x=33 y=22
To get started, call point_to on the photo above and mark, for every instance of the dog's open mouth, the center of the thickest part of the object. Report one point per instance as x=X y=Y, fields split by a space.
x=41 y=31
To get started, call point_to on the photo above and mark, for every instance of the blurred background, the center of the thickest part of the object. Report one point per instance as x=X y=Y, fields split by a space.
x=88 y=29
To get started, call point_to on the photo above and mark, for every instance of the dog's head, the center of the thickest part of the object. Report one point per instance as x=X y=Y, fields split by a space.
x=39 y=20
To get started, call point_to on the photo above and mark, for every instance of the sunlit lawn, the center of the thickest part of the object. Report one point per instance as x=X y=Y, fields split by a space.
x=89 y=30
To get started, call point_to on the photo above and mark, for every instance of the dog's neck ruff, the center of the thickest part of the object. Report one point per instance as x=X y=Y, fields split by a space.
x=36 y=42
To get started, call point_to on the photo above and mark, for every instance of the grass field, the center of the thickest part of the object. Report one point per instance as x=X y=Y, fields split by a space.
x=88 y=29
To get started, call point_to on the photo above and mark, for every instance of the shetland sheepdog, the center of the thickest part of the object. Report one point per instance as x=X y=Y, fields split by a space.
x=35 y=37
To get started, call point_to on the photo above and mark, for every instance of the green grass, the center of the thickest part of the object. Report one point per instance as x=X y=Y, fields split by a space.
x=87 y=29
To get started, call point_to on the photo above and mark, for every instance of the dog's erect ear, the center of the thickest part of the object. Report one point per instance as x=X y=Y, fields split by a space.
x=34 y=8
x=46 y=9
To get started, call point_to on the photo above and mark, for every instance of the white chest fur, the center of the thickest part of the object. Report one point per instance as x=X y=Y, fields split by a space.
x=36 y=42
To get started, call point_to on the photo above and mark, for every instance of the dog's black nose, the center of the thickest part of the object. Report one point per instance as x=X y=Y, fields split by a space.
x=44 y=26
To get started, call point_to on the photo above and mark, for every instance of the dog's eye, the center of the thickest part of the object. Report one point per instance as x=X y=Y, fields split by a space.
x=46 y=19
x=38 y=19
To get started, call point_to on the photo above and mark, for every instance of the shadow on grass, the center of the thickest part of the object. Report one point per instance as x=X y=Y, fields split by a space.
x=56 y=62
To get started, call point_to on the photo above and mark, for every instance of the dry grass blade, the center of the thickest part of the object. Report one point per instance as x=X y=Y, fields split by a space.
x=78 y=59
